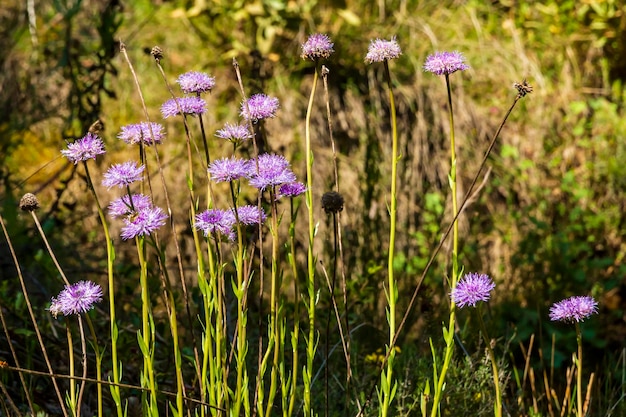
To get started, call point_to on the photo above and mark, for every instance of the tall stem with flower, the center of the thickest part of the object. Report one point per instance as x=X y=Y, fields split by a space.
x=381 y=50
x=446 y=63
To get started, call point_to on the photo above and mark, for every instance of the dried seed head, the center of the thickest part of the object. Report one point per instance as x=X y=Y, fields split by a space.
x=29 y=202
x=332 y=202
x=157 y=53
x=523 y=88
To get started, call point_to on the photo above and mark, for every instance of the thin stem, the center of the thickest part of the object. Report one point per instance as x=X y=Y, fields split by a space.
x=83 y=348
x=70 y=347
x=579 y=371
x=49 y=248
x=494 y=364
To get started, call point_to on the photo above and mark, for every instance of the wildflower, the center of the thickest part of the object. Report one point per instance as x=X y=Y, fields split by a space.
x=140 y=132
x=234 y=133
x=76 y=298
x=317 y=46
x=157 y=53
x=382 y=50
x=293 y=189
x=445 y=63
x=332 y=202
x=260 y=106
x=122 y=175
x=122 y=207
x=229 y=169
x=250 y=215
x=216 y=221
x=146 y=221
x=573 y=309
x=195 y=82
x=273 y=170
x=188 y=105
x=29 y=202
x=471 y=289
x=87 y=147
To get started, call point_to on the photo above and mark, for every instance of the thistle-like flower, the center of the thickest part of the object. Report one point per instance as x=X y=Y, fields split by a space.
x=229 y=169
x=145 y=222
x=140 y=132
x=29 y=202
x=194 y=82
x=332 y=202
x=215 y=221
x=317 y=46
x=250 y=215
x=573 y=309
x=445 y=63
x=382 y=50
x=293 y=189
x=87 y=147
x=122 y=175
x=273 y=170
x=128 y=206
x=234 y=133
x=188 y=105
x=260 y=106
x=471 y=289
x=76 y=299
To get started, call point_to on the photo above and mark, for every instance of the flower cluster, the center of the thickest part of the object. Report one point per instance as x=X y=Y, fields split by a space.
x=382 y=50
x=317 y=46
x=76 y=299
x=234 y=133
x=186 y=105
x=216 y=222
x=139 y=215
x=194 y=82
x=471 y=289
x=270 y=170
x=259 y=107
x=573 y=309
x=148 y=133
x=87 y=147
x=229 y=169
x=445 y=63
x=122 y=175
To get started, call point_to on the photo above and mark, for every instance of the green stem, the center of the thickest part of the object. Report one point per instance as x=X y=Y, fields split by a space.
x=494 y=364
x=296 y=319
x=72 y=399
x=388 y=391
x=579 y=371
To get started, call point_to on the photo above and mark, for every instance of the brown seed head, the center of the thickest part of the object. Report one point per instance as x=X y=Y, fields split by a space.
x=157 y=53
x=29 y=202
x=523 y=88
x=332 y=202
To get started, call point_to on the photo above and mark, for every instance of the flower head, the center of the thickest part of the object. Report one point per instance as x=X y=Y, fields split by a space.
x=293 y=189
x=381 y=50
x=317 y=46
x=215 y=221
x=141 y=132
x=229 y=169
x=122 y=175
x=234 y=133
x=260 y=106
x=445 y=63
x=76 y=298
x=127 y=206
x=471 y=289
x=332 y=202
x=573 y=309
x=189 y=105
x=143 y=223
x=195 y=82
x=29 y=202
x=87 y=147
x=250 y=215
x=273 y=170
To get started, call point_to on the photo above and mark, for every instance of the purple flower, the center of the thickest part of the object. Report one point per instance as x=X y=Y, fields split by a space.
x=293 y=189
x=144 y=223
x=382 y=50
x=273 y=170
x=573 y=309
x=471 y=289
x=76 y=298
x=317 y=46
x=87 y=147
x=261 y=107
x=195 y=82
x=216 y=221
x=229 y=169
x=445 y=63
x=122 y=175
x=122 y=207
x=234 y=133
x=188 y=105
x=250 y=215
x=138 y=132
